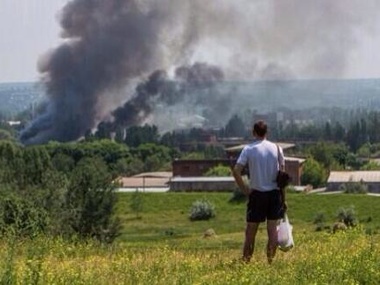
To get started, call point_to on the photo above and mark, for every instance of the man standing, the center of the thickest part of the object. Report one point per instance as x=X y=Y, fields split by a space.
x=265 y=201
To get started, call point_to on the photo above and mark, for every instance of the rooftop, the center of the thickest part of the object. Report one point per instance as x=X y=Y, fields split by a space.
x=162 y=174
x=143 y=182
x=240 y=147
x=298 y=159
x=354 y=176
x=203 y=179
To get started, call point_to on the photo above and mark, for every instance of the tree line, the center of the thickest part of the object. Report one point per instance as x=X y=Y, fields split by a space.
x=68 y=188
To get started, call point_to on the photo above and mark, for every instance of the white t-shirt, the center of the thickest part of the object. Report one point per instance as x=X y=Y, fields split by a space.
x=261 y=157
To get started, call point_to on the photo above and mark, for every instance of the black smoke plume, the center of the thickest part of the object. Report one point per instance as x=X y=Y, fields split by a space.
x=108 y=43
x=111 y=43
x=195 y=83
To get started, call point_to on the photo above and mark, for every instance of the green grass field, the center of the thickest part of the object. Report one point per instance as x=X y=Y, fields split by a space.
x=165 y=215
x=162 y=246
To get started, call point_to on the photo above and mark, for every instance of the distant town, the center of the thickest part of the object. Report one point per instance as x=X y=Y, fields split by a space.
x=323 y=127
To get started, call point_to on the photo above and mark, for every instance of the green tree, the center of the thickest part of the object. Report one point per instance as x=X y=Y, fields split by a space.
x=327 y=134
x=331 y=156
x=36 y=162
x=313 y=173
x=170 y=139
x=91 y=201
x=154 y=156
x=104 y=131
x=339 y=132
x=354 y=136
x=374 y=126
x=63 y=163
x=370 y=165
x=309 y=132
x=130 y=166
x=340 y=153
x=12 y=163
x=291 y=130
x=6 y=135
x=353 y=162
x=119 y=135
x=111 y=152
x=212 y=152
x=137 y=135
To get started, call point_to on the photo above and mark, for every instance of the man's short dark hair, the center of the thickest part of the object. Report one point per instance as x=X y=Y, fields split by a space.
x=260 y=128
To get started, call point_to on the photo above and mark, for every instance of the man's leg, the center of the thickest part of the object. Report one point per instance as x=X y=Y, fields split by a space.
x=272 y=239
x=249 y=243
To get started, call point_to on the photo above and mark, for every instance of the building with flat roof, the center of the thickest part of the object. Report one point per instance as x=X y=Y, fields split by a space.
x=146 y=182
x=198 y=167
x=338 y=178
x=293 y=165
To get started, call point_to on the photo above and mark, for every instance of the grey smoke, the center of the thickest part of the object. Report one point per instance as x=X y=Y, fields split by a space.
x=110 y=44
x=191 y=85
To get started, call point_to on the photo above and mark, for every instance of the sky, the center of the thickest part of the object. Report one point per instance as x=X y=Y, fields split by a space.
x=29 y=28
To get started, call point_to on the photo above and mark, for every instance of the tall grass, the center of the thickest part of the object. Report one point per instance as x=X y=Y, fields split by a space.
x=350 y=257
x=164 y=247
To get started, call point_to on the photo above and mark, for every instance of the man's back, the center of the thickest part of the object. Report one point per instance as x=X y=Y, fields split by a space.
x=261 y=157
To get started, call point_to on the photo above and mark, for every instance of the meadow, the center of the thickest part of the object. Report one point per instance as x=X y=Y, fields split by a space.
x=160 y=245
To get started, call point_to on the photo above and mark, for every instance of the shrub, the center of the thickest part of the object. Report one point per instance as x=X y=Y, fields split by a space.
x=320 y=218
x=20 y=216
x=202 y=210
x=354 y=187
x=219 y=170
x=319 y=221
x=347 y=216
x=237 y=196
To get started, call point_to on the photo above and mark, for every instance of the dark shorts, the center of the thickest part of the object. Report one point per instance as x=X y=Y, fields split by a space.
x=263 y=206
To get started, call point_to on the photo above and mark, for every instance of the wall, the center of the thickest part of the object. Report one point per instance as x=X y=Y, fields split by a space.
x=294 y=169
x=192 y=168
x=198 y=167
x=222 y=186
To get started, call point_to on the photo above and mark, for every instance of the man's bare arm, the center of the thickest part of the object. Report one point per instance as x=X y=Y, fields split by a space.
x=239 y=179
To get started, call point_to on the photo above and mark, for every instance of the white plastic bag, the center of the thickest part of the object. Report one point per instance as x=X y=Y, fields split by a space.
x=284 y=234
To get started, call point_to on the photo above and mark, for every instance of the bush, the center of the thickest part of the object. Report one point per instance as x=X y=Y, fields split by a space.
x=347 y=216
x=354 y=187
x=219 y=170
x=237 y=196
x=319 y=221
x=320 y=218
x=20 y=216
x=202 y=210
